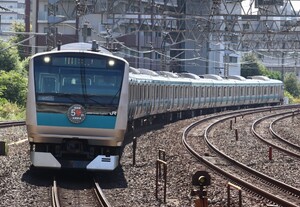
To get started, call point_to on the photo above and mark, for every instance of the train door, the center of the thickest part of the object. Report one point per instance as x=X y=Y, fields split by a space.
x=237 y=95
x=260 y=94
x=212 y=95
x=229 y=96
x=156 y=98
x=185 y=97
x=203 y=95
x=169 y=97
x=248 y=94
x=209 y=94
x=138 y=100
x=180 y=101
x=266 y=94
x=220 y=96
x=164 y=97
x=254 y=94
x=195 y=97
x=225 y=95
x=131 y=102
x=198 y=96
x=242 y=92
x=151 y=92
x=175 y=97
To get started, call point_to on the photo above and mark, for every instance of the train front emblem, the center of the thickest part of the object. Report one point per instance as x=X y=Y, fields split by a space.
x=76 y=114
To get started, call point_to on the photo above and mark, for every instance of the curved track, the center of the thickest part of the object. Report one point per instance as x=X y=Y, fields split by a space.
x=247 y=177
x=277 y=136
x=283 y=146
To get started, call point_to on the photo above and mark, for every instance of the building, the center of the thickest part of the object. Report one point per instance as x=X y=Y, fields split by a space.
x=10 y=11
x=198 y=36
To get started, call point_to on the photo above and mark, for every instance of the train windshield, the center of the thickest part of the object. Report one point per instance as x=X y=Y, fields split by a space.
x=78 y=78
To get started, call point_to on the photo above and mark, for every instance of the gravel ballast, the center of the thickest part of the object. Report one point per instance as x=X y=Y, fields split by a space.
x=127 y=186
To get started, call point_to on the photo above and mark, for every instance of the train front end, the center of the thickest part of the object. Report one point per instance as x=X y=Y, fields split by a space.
x=77 y=109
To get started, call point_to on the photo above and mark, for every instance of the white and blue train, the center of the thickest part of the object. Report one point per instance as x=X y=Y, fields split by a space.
x=82 y=100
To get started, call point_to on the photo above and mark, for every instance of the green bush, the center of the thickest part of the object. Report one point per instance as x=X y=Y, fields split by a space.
x=11 y=111
x=13 y=87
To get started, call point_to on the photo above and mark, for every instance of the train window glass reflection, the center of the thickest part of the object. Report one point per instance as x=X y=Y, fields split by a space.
x=48 y=83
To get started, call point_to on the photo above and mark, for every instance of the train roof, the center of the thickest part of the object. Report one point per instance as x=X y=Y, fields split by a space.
x=168 y=74
x=83 y=46
x=212 y=76
x=189 y=75
x=236 y=77
x=146 y=75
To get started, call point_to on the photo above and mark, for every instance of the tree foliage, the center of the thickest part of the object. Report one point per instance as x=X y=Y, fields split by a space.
x=252 y=66
x=291 y=84
x=13 y=87
x=17 y=38
x=9 y=58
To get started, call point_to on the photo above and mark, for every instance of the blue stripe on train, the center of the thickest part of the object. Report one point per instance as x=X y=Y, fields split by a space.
x=91 y=121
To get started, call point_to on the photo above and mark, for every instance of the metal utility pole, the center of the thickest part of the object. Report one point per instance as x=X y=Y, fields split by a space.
x=282 y=63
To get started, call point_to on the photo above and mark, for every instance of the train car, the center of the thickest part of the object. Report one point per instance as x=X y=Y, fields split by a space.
x=82 y=100
x=165 y=95
x=77 y=108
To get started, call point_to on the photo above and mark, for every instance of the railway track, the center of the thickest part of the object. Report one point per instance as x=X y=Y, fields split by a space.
x=278 y=192
x=11 y=124
x=277 y=136
x=64 y=194
x=279 y=143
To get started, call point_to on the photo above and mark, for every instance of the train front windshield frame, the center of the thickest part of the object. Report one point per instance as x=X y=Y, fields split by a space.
x=80 y=78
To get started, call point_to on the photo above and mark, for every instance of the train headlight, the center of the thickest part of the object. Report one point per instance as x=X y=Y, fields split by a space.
x=111 y=63
x=47 y=59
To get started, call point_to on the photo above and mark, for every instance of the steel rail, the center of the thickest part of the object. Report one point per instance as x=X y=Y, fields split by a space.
x=54 y=195
x=11 y=124
x=100 y=195
x=274 y=134
x=245 y=184
x=255 y=123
